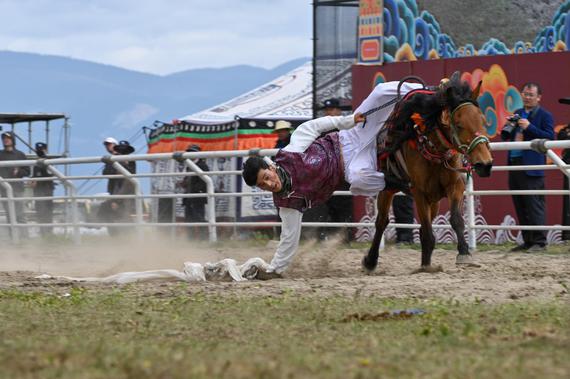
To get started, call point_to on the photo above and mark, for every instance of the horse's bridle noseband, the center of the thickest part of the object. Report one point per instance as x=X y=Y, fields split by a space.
x=460 y=146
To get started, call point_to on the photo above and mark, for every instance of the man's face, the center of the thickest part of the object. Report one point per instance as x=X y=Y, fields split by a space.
x=110 y=146
x=333 y=112
x=283 y=134
x=530 y=97
x=7 y=142
x=268 y=180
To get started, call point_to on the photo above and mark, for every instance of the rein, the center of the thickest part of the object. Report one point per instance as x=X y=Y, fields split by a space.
x=453 y=147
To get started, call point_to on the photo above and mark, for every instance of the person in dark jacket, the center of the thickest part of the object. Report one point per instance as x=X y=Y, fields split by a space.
x=195 y=207
x=339 y=208
x=110 y=144
x=10 y=153
x=403 y=207
x=532 y=122
x=564 y=134
x=119 y=210
x=44 y=208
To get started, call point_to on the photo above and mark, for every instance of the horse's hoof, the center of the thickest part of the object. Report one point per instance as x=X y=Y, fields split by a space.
x=428 y=269
x=367 y=266
x=466 y=260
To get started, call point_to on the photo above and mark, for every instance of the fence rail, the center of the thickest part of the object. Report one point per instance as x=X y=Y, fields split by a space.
x=72 y=198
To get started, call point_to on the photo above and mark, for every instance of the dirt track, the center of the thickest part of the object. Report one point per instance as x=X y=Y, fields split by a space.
x=319 y=269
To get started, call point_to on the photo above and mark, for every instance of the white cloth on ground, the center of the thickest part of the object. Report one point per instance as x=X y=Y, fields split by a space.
x=224 y=270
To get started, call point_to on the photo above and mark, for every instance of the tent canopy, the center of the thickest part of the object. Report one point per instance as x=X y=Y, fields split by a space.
x=288 y=97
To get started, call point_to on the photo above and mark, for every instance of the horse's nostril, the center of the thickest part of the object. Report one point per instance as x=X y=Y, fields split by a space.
x=483 y=169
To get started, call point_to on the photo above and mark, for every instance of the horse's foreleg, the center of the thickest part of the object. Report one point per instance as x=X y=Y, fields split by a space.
x=370 y=261
x=458 y=224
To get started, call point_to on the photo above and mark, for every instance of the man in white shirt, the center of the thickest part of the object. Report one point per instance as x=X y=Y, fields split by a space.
x=308 y=171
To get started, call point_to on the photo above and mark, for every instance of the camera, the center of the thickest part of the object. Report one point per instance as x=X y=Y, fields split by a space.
x=510 y=126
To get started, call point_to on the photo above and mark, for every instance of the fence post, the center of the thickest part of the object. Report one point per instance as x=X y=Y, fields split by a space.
x=11 y=210
x=211 y=200
x=138 y=199
x=72 y=194
x=471 y=232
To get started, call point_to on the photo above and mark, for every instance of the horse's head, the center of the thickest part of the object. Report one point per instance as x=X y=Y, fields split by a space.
x=467 y=124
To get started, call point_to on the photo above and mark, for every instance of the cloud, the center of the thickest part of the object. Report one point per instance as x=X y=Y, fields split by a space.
x=160 y=36
x=134 y=117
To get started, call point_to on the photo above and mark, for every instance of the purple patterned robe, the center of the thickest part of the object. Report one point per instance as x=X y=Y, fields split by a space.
x=315 y=173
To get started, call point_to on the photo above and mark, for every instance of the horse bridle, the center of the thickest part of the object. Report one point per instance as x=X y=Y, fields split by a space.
x=460 y=146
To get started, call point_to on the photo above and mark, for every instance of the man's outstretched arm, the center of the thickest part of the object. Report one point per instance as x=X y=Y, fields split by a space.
x=309 y=131
x=289 y=241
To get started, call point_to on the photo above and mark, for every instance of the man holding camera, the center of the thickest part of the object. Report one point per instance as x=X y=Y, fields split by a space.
x=528 y=123
x=564 y=134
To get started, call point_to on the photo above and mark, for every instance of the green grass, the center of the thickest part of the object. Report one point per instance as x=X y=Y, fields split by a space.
x=117 y=333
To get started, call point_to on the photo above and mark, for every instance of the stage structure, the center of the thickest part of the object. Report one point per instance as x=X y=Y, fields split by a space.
x=335 y=24
x=415 y=42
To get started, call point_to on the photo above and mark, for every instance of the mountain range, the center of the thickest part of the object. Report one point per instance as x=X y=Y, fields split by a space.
x=103 y=100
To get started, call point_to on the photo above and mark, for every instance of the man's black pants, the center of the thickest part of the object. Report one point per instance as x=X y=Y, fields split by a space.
x=530 y=209
x=403 y=207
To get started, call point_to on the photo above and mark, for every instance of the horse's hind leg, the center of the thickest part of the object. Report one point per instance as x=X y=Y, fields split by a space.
x=370 y=261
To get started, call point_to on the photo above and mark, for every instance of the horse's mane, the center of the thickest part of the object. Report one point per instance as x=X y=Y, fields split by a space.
x=429 y=105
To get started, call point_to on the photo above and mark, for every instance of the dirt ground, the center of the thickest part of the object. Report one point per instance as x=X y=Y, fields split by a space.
x=321 y=269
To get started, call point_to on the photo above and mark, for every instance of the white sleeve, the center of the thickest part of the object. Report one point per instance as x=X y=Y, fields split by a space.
x=289 y=241
x=308 y=132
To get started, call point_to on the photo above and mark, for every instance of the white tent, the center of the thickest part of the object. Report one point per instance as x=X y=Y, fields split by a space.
x=288 y=97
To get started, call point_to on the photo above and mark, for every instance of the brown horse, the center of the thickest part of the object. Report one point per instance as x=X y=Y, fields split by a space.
x=435 y=133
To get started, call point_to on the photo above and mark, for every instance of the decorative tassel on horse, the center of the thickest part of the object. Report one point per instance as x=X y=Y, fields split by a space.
x=430 y=151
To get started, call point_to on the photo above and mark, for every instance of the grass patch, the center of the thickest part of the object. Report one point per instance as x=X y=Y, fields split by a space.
x=118 y=334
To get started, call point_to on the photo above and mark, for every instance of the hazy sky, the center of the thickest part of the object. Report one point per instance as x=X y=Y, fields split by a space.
x=160 y=36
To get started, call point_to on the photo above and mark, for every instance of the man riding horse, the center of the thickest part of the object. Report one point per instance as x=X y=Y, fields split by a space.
x=308 y=170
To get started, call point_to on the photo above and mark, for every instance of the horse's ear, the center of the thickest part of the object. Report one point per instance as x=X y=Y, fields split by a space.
x=455 y=77
x=444 y=118
x=476 y=91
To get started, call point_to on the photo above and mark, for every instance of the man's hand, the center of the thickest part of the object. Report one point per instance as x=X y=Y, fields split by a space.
x=523 y=123
x=359 y=117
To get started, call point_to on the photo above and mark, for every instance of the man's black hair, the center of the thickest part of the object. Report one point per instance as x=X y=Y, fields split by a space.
x=533 y=85
x=251 y=168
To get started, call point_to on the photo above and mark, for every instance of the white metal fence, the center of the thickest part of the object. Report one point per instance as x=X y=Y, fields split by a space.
x=71 y=223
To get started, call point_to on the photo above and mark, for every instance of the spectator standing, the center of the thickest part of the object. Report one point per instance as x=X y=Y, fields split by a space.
x=339 y=208
x=530 y=122
x=564 y=134
x=119 y=210
x=403 y=207
x=110 y=144
x=10 y=153
x=195 y=207
x=44 y=208
x=283 y=130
